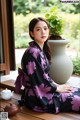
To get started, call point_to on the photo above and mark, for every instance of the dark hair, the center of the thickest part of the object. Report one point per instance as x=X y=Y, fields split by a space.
x=46 y=47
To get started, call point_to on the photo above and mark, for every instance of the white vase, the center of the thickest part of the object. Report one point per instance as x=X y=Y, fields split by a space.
x=61 y=64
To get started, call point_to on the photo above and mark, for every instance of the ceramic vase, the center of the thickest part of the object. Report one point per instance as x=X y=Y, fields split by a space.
x=61 y=64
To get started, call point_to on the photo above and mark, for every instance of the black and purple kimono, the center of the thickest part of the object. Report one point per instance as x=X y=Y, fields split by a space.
x=39 y=89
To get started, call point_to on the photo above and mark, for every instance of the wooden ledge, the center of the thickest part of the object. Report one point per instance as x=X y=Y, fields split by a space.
x=8 y=84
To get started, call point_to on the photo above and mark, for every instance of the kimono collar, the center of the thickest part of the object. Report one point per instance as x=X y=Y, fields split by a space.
x=34 y=44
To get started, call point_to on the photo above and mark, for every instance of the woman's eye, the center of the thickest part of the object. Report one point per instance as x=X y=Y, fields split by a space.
x=38 y=29
x=45 y=28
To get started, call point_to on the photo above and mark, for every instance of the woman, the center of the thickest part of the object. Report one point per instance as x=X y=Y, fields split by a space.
x=41 y=93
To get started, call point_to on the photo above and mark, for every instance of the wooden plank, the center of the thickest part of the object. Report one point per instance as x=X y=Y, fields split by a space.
x=47 y=116
x=42 y=116
x=8 y=84
x=73 y=116
x=21 y=116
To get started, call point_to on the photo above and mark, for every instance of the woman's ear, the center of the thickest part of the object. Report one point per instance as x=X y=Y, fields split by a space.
x=32 y=34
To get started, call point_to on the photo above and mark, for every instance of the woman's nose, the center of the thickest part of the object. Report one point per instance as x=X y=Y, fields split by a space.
x=43 y=31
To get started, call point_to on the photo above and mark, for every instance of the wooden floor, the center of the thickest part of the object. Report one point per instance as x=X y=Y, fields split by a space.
x=26 y=114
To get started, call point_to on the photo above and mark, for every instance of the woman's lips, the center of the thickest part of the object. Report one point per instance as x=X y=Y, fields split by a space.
x=43 y=37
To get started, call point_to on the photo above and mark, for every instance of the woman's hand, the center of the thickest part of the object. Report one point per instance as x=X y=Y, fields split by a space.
x=63 y=88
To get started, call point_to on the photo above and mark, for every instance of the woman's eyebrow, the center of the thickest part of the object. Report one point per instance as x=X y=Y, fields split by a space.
x=40 y=27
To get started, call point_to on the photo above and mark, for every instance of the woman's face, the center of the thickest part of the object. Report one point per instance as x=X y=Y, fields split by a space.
x=40 y=32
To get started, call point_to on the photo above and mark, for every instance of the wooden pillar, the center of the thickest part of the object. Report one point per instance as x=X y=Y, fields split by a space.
x=9 y=6
x=7 y=36
x=4 y=65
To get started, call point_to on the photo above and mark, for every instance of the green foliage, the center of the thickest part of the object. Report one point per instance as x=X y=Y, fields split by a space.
x=71 y=26
x=55 y=21
x=27 y=6
x=73 y=22
x=76 y=65
x=22 y=43
x=21 y=6
x=77 y=8
x=36 y=6
x=21 y=23
x=70 y=8
x=18 y=66
x=72 y=29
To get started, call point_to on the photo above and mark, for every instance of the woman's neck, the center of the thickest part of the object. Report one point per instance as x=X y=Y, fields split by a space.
x=40 y=44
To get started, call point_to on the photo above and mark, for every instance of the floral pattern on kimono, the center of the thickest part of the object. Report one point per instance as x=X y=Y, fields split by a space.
x=39 y=89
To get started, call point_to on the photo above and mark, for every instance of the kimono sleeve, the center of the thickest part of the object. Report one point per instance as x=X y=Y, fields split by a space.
x=38 y=78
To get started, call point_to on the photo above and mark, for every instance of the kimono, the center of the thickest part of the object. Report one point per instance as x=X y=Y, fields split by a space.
x=39 y=92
